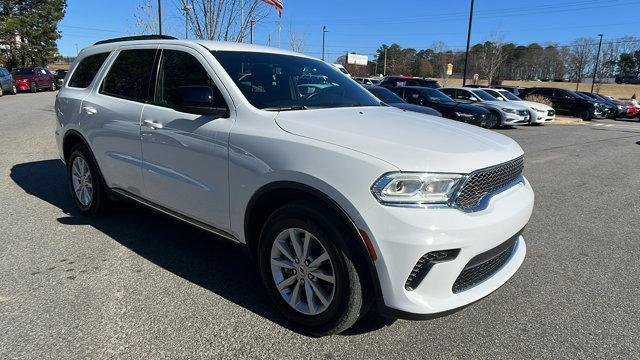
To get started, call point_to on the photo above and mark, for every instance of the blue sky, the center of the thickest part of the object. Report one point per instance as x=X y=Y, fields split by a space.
x=361 y=26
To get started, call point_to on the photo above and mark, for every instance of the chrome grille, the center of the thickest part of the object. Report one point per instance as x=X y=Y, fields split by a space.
x=486 y=181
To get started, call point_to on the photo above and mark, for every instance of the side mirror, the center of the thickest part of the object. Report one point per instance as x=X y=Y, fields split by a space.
x=198 y=100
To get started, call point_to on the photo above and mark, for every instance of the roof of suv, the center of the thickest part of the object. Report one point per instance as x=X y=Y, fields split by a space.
x=209 y=45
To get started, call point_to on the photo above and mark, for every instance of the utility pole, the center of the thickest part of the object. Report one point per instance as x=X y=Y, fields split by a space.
x=324 y=31
x=159 y=18
x=186 y=9
x=595 y=69
x=466 y=56
x=579 y=72
x=252 y=24
x=384 y=71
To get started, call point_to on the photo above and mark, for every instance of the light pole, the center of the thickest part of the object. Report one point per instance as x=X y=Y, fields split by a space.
x=186 y=10
x=595 y=68
x=466 y=56
x=324 y=31
x=159 y=18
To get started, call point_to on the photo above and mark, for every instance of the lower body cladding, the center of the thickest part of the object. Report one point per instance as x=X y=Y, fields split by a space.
x=435 y=260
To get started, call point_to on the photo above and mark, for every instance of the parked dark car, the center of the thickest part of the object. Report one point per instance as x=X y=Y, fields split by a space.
x=614 y=110
x=7 y=84
x=60 y=75
x=386 y=96
x=449 y=108
x=568 y=102
x=391 y=82
x=34 y=79
x=627 y=80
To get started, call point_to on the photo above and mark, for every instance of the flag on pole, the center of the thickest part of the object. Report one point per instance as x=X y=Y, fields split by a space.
x=276 y=4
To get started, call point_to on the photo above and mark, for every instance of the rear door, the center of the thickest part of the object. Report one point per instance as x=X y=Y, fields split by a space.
x=186 y=155
x=111 y=116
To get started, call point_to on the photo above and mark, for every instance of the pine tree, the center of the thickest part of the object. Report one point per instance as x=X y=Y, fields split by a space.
x=29 y=30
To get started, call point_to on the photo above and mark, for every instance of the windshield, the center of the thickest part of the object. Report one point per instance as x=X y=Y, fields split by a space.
x=278 y=82
x=436 y=96
x=484 y=95
x=385 y=95
x=22 y=72
x=509 y=95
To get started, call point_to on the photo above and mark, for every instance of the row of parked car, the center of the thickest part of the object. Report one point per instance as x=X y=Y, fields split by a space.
x=496 y=106
x=31 y=79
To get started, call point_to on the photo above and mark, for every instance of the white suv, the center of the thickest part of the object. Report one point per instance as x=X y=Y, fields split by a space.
x=345 y=204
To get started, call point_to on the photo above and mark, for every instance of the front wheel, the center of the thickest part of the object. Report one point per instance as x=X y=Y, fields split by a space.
x=307 y=274
x=585 y=115
x=14 y=90
x=492 y=122
x=85 y=182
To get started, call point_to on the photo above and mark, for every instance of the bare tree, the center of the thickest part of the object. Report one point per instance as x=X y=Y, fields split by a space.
x=581 y=57
x=492 y=57
x=297 y=40
x=440 y=60
x=146 y=18
x=224 y=20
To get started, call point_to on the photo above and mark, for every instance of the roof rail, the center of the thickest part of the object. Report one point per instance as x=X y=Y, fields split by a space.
x=138 y=37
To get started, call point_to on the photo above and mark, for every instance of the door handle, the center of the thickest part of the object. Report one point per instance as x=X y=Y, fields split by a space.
x=90 y=110
x=152 y=124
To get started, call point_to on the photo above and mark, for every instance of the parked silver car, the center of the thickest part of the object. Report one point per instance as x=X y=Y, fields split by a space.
x=509 y=113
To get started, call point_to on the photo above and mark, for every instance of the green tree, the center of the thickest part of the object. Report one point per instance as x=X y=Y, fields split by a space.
x=29 y=30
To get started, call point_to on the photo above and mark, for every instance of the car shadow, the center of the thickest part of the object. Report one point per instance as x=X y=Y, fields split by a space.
x=197 y=256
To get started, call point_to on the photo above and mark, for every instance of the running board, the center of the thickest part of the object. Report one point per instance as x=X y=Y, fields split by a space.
x=176 y=215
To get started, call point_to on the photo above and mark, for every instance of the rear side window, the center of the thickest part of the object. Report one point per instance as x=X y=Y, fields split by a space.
x=179 y=69
x=87 y=70
x=130 y=75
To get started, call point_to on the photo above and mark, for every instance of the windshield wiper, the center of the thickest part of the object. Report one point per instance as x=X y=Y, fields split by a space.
x=286 y=108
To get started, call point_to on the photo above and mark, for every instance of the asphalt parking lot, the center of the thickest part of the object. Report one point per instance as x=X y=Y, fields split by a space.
x=135 y=284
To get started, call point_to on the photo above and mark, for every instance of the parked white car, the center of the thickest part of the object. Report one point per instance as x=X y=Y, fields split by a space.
x=540 y=113
x=345 y=204
x=508 y=113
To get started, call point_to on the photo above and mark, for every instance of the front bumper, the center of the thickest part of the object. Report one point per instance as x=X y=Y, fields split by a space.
x=538 y=117
x=402 y=236
x=516 y=119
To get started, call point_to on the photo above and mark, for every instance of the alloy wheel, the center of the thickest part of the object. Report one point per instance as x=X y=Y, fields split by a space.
x=303 y=271
x=82 y=181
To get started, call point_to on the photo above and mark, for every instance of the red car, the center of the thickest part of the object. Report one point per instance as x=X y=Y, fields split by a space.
x=33 y=79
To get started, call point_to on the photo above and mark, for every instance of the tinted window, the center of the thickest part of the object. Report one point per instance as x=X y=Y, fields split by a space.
x=271 y=82
x=179 y=69
x=385 y=95
x=86 y=70
x=436 y=96
x=22 y=72
x=130 y=75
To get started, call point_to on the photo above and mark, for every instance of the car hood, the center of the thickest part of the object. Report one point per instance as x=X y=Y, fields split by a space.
x=409 y=141
x=22 y=77
x=503 y=104
x=536 y=105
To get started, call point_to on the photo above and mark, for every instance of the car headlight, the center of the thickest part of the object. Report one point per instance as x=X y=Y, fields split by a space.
x=410 y=189
x=539 y=110
x=464 y=115
x=510 y=111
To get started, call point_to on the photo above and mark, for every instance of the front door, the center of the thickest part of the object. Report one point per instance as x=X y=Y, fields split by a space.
x=185 y=155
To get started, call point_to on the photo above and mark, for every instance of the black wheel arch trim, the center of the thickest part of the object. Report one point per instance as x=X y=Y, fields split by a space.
x=291 y=185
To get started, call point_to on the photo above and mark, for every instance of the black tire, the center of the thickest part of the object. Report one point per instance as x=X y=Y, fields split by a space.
x=1 y=92
x=33 y=88
x=348 y=303
x=99 y=198
x=14 y=90
x=53 y=86
x=493 y=121
x=585 y=115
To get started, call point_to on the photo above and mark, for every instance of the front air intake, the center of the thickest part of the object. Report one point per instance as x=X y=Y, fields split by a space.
x=426 y=262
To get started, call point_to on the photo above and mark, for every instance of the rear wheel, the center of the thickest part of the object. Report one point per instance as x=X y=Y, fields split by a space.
x=1 y=91
x=14 y=90
x=53 y=86
x=33 y=88
x=307 y=274
x=85 y=182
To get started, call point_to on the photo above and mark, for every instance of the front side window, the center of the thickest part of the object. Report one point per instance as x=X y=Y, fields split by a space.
x=436 y=96
x=130 y=75
x=85 y=71
x=180 y=70
x=278 y=82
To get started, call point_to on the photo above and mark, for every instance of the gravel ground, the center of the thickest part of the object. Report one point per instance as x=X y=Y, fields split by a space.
x=138 y=285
